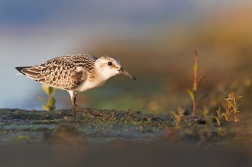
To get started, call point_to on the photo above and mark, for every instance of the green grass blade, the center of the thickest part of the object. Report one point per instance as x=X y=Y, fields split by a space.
x=200 y=80
x=239 y=97
x=202 y=98
x=40 y=98
x=225 y=115
x=218 y=120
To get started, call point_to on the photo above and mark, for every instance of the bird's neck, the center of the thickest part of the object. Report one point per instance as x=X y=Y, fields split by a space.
x=101 y=74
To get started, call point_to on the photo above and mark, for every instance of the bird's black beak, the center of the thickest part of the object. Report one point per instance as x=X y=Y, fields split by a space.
x=122 y=71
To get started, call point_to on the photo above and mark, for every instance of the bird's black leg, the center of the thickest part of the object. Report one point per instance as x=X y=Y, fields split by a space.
x=73 y=100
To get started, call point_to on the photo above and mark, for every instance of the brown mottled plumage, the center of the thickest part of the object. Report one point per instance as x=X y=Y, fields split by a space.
x=75 y=73
x=62 y=72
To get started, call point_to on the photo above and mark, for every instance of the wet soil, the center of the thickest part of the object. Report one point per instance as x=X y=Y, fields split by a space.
x=102 y=140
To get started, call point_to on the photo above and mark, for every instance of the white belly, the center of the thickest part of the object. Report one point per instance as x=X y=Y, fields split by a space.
x=84 y=86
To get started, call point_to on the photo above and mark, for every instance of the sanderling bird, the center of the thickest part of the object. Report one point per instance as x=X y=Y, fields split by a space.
x=75 y=73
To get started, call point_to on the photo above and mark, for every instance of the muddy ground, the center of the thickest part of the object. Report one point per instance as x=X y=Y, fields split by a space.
x=121 y=138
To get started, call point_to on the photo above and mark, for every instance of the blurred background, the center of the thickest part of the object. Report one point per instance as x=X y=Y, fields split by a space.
x=155 y=41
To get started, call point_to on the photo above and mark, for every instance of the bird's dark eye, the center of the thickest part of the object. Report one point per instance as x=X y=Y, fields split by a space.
x=109 y=63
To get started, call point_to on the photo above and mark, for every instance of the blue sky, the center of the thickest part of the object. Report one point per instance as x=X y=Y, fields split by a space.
x=33 y=12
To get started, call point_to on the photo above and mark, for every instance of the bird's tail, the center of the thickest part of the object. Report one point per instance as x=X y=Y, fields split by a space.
x=31 y=72
x=20 y=69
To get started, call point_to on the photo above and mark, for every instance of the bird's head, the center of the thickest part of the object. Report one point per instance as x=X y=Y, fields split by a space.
x=110 y=66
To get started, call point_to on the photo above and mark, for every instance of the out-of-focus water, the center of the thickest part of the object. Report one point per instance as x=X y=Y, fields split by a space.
x=32 y=33
x=24 y=50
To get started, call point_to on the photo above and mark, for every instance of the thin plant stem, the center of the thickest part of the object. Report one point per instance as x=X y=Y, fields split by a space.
x=195 y=69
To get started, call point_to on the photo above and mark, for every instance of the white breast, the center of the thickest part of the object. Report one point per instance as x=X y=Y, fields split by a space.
x=90 y=84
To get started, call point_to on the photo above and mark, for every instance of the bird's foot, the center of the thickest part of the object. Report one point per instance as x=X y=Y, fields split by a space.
x=85 y=110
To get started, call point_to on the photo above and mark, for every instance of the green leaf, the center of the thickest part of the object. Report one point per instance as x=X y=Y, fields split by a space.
x=46 y=108
x=40 y=98
x=202 y=98
x=228 y=99
x=201 y=78
x=230 y=103
x=191 y=94
x=46 y=88
x=239 y=97
x=218 y=120
x=53 y=91
x=51 y=102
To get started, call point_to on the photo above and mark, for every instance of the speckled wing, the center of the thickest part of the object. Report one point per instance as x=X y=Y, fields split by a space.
x=66 y=72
